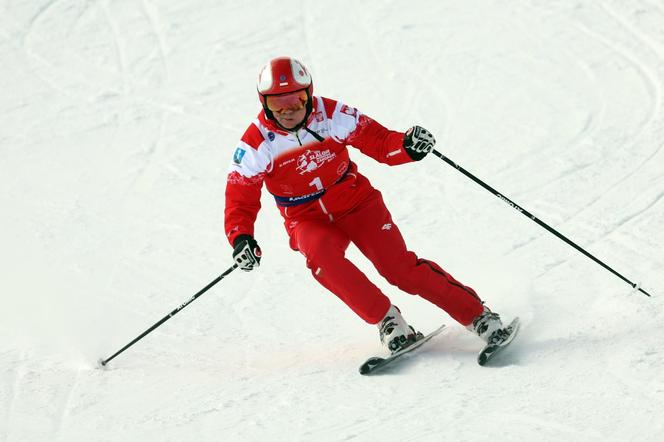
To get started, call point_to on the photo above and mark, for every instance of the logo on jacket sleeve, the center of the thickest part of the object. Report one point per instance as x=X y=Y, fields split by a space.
x=348 y=110
x=237 y=156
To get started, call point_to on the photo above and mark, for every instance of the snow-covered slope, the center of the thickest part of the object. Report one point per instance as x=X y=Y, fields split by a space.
x=117 y=122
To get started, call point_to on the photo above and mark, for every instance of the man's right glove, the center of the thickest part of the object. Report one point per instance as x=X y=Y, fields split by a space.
x=418 y=142
x=246 y=252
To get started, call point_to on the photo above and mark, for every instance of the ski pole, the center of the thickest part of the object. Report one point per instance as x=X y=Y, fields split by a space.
x=534 y=218
x=102 y=362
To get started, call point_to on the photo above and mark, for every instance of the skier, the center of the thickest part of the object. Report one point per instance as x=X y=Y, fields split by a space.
x=297 y=147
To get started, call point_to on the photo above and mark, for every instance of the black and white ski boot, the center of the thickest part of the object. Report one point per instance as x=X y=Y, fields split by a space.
x=486 y=324
x=395 y=333
x=491 y=330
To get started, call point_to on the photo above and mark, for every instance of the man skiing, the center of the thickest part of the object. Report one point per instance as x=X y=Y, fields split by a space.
x=297 y=147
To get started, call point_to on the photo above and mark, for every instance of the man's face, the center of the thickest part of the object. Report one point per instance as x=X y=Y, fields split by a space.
x=289 y=119
x=288 y=109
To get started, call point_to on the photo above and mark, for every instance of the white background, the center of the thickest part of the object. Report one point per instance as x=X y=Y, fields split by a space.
x=118 y=120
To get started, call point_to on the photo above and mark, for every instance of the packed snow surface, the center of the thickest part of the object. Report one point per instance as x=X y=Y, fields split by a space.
x=118 y=120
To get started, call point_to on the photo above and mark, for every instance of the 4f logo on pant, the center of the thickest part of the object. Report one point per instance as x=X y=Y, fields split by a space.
x=237 y=156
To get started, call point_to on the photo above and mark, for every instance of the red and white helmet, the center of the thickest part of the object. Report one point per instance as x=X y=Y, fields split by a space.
x=284 y=75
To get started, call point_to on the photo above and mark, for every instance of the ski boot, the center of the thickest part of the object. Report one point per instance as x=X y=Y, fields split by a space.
x=491 y=330
x=395 y=333
x=488 y=326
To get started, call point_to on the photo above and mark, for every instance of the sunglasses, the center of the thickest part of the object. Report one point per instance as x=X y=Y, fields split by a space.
x=292 y=102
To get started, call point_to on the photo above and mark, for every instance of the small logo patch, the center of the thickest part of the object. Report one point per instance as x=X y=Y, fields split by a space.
x=387 y=226
x=271 y=136
x=348 y=110
x=237 y=156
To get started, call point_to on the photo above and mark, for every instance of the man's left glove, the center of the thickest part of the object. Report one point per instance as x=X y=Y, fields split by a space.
x=418 y=142
x=246 y=252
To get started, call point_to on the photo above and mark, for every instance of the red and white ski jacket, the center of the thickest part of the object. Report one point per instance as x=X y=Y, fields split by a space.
x=308 y=177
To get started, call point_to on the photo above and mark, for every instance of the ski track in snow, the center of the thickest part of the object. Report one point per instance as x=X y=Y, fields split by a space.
x=653 y=83
x=12 y=380
x=116 y=125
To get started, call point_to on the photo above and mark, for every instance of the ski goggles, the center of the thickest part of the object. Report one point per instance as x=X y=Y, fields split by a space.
x=291 y=102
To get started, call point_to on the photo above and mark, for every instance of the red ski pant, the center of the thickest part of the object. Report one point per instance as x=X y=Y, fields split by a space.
x=370 y=227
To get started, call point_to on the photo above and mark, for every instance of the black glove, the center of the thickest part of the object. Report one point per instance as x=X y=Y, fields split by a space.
x=418 y=142
x=246 y=252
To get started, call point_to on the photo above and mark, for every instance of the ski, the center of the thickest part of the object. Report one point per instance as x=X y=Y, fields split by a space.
x=493 y=348
x=375 y=364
